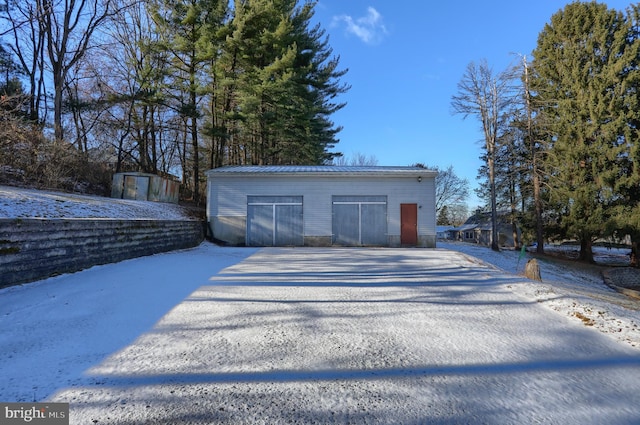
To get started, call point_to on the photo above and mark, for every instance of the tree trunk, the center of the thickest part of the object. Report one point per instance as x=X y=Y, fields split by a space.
x=538 y=205
x=183 y=156
x=633 y=256
x=514 y=212
x=196 y=152
x=58 y=81
x=492 y=185
x=213 y=153
x=534 y=162
x=154 y=142
x=586 y=253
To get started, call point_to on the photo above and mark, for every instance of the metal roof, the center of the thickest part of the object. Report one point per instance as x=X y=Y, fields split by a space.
x=321 y=170
x=464 y=227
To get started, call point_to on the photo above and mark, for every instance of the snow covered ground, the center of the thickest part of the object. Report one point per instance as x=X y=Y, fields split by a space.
x=311 y=335
x=26 y=203
x=579 y=295
x=303 y=335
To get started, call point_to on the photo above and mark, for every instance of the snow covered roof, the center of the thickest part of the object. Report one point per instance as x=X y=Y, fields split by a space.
x=464 y=227
x=336 y=170
x=440 y=229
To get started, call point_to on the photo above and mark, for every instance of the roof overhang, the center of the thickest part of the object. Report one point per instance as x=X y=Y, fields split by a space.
x=320 y=170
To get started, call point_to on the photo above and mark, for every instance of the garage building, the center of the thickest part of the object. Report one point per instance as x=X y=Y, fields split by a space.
x=322 y=206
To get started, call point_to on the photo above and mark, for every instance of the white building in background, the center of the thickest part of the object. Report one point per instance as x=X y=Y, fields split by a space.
x=322 y=206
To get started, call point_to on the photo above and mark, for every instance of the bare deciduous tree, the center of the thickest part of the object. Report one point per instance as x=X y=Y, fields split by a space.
x=28 y=45
x=486 y=96
x=458 y=214
x=68 y=27
x=451 y=193
x=450 y=189
x=357 y=159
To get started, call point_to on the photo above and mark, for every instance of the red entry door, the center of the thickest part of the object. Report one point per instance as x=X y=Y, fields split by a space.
x=409 y=224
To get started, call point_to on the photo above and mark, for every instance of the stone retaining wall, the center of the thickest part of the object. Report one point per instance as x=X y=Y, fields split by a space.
x=625 y=280
x=33 y=249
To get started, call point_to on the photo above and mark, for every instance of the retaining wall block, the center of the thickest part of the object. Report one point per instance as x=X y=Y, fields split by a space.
x=33 y=249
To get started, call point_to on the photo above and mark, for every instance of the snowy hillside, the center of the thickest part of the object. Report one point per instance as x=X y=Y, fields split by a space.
x=26 y=203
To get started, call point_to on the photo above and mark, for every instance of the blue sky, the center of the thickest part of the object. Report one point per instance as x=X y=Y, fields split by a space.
x=405 y=60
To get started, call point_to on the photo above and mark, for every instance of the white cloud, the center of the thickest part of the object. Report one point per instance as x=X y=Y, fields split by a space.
x=368 y=28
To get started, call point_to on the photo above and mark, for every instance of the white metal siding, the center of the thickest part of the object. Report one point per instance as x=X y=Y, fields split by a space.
x=228 y=197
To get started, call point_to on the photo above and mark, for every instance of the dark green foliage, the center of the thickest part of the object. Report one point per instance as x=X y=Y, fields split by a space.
x=10 y=84
x=188 y=27
x=281 y=80
x=251 y=84
x=580 y=64
x=180 y=86
x=443 y=217
x=625 y=182
x=567 y=159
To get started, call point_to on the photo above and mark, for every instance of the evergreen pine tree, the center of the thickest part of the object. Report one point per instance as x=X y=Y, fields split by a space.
x=186 y=25
x=443 y=217
x=284 y=83
x=625 y=178
x=576 y=83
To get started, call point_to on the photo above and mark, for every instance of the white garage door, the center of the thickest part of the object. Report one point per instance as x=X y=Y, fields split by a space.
x=360 y=220
x=274 y=221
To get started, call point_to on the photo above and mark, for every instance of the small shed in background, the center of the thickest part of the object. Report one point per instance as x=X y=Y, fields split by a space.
x=322 y=206
x=442 y=232
x=145 y=187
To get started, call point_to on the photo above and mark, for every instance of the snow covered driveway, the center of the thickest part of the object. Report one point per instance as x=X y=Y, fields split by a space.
x=310 y=335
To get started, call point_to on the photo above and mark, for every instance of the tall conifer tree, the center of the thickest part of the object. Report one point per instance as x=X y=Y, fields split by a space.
x=186 y=25
x=285 y=80
x=625 y=182
x=577 y=88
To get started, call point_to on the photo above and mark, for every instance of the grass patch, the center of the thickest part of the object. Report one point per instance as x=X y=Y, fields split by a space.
x=585 y=319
